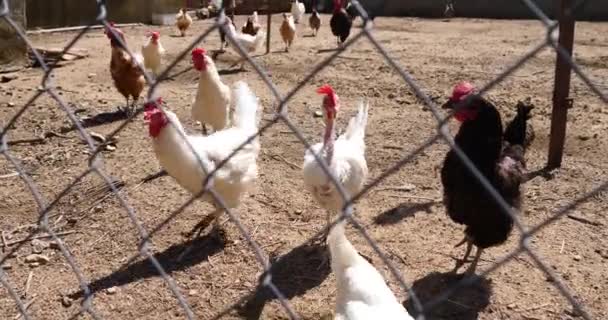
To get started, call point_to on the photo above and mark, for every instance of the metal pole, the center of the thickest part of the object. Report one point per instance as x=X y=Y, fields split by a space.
x=561 y=90
x=268 y=21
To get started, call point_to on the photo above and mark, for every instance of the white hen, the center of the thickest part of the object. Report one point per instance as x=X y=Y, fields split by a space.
x=230 y=181
x=362 y=292
x=345 y=156
x=248 y=42
x=152 y=52
x=212 y=103
x=297 y=10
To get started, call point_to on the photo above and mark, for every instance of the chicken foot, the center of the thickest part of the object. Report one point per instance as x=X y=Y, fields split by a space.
x=126 y=108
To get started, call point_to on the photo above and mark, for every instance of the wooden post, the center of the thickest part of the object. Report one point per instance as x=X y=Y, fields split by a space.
x=12 y=48
x=561 y=90
x=233 y=9
x=268 y=22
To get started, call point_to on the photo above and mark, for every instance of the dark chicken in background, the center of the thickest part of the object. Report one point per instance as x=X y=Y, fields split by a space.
x=340 y=23
x=500 y=159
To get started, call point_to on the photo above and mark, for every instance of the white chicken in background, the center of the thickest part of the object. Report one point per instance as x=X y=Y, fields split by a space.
x=152 y=52
x=287 y=30
x=362 y=293
x=345 y=156
x=297 y=10
x=248 y=42
x=212 y=103
x=235 y=177
x=183 y=21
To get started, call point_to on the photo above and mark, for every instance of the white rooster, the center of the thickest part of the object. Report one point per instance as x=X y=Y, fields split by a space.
x=152 y=52
x=344 y=156
x=362 y=292
x=297 y=10
x=212 y=103
x=248 y=42
x=230 y=181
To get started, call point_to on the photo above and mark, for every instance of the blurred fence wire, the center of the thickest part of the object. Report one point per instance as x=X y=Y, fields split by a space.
x=565 y=65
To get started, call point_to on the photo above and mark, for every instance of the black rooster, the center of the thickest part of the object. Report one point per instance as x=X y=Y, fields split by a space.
x=499 y=157
x=340 y=23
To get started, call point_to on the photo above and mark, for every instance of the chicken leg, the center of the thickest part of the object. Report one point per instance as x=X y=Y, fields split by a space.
x=467 y=253
x=473 y=266
x=204 y=223
x=126 y=108
x=199 y=228
x=133 y=106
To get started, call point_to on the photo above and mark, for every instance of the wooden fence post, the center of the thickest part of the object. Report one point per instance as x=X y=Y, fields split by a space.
x=268 y=22
x=561 y=90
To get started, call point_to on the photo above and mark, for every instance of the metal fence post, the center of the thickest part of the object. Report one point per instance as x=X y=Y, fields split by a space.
x=561 y=101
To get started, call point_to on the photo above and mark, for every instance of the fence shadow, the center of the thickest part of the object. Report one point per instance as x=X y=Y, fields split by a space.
x=294 y=274
x=403 y=211
x=202 y=248
x=464 y=304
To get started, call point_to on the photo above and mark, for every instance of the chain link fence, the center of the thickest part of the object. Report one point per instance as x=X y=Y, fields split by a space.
x=281 y=115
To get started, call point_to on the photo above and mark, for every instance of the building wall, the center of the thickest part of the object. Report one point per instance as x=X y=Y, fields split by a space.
x=12 y=48
x=505 y=9
x=64 y=13
x=61 y=13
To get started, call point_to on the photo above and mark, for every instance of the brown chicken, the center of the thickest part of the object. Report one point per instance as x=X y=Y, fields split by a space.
x=288 y=30
x=315 y=22
x=183 y=21
x=128 y=76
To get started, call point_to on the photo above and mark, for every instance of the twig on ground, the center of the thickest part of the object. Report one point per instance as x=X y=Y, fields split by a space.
x=584 y=220
x=10 y=243
x=9 y=175
x=280 y=158
x=28 y=282
x=433 y=200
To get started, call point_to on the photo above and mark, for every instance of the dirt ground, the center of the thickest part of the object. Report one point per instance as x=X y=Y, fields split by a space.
x=410 y=227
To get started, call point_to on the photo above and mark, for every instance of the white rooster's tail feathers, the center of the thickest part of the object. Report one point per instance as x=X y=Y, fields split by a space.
x=259 y=40
x=247 y=114
x=356 y=126
x=343 y=253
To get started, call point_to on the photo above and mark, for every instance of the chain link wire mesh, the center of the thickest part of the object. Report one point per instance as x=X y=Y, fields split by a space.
x=95 y=167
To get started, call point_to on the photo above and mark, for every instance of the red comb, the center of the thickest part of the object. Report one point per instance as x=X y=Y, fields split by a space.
x=330 y=93
x=462 y=90
x=326 y=89
x=152 y=106
x=198 y=52
x=155 y=34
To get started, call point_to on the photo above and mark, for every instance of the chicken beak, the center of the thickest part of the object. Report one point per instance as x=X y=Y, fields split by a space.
x=448 y=105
